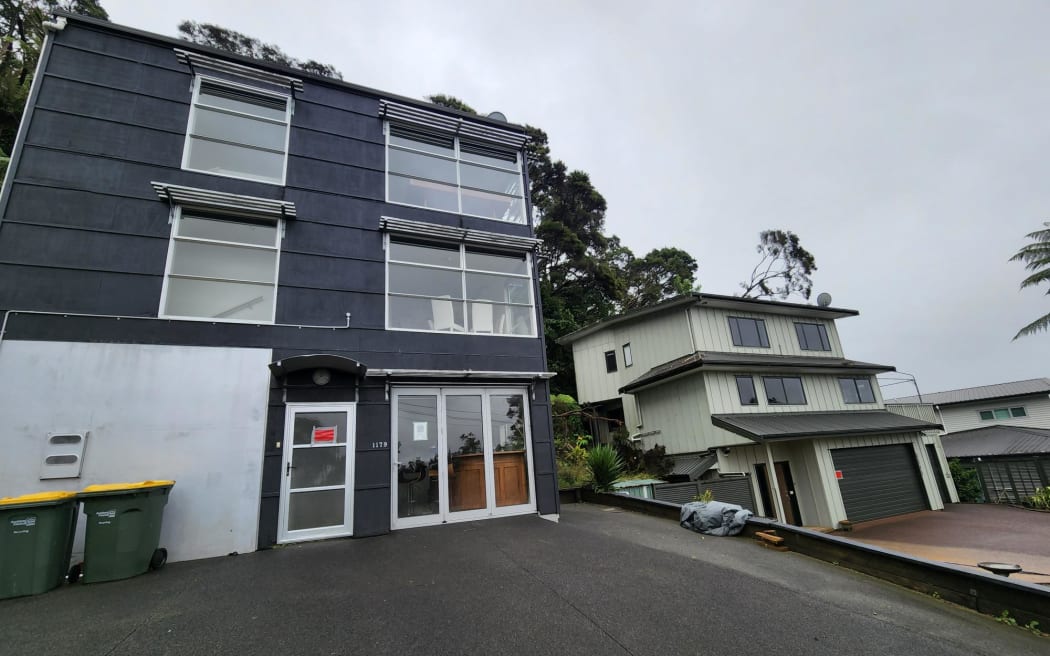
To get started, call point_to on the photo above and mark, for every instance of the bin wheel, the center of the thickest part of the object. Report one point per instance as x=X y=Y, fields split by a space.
x=74 y=573
x=160 y=556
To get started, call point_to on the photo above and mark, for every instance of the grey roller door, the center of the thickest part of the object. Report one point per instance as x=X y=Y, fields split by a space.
x=879 y=481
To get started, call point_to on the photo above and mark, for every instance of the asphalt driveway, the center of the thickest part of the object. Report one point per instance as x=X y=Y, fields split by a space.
x=603 y=581
x=966 y=534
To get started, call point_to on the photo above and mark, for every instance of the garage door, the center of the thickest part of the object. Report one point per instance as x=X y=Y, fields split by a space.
x=879 y=481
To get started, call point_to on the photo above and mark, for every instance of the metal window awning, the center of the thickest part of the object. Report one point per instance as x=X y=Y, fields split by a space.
x=441 y=122
x=285 y=366
x=217 y=201
x=197 y=60
x=467 y=235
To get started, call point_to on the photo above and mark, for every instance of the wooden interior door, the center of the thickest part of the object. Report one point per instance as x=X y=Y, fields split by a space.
x=511 y=476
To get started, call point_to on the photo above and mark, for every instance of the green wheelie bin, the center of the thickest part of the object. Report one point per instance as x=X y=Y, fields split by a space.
x=36 y=537
x=123 y=529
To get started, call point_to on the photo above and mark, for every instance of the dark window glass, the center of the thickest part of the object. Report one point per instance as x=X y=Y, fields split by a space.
x=784 y=391
x=746 y=386
x=748 y=332
x=610 y=361
x=857 y=390
x=1002 y=413
x=812 y=337
x=986 y=415
x=1018 y=412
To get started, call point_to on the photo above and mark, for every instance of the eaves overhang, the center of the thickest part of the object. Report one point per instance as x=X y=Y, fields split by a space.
x=750 y=363
x=783 y=426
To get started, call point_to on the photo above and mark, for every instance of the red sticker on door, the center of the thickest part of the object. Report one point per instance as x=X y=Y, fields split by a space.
x=324 y=435
x=838 y=473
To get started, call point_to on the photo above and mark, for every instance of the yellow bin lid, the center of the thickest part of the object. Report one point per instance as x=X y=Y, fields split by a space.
x=37 y=497
x=122 y=487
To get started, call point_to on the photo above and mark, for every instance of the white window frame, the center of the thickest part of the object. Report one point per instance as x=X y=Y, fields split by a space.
x=463 y=270
x=173 y=238
x=1008 y=409
x=459 y=185
x=628 y=355
x=194 y=103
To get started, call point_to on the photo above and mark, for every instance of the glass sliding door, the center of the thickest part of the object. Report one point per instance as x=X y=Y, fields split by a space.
x=465 y=428
x=462 y=453
x=510 y=457
x=416 y=456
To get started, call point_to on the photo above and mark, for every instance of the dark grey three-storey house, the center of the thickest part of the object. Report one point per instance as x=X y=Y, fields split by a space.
x=311 y=304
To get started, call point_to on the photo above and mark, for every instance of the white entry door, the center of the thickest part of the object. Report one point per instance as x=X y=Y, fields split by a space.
x=317 y=484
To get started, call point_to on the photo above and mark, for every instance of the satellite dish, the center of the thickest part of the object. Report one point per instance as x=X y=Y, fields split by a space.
x=824 y=299
x=497 y=116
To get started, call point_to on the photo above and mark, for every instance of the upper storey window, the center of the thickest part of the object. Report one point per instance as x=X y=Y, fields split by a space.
x=459 y=289
x=812 y=337
x=748 y=332
x=237 y=131
x=451 y=174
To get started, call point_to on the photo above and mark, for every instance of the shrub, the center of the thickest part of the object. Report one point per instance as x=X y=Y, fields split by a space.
x=706 y=497
x=967 y=482
x=605 y=466
x=1040 y=500
x=657 y=462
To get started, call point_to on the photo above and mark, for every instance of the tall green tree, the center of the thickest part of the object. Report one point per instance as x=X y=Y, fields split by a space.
x=662 y=274
x=783 y=270
x=216 y=36
x=1036 y=258
x=21 y=37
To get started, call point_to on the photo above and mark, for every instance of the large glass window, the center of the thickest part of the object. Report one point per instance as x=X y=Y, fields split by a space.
x=812 y=337
x=748 y=332
x=221 y=268
x=459 y=289
x=237 y=131
x=857 y=390
x=745 y=386
x=444 y=172
x=784 y=390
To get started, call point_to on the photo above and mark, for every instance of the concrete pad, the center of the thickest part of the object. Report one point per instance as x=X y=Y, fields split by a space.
x=602 y=581
x=966 y=534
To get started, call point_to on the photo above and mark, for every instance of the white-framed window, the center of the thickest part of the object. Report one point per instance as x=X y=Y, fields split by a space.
x=451 y=174
x=628 y=356
x=237 y=131
x=456 y=288
x=221 y=268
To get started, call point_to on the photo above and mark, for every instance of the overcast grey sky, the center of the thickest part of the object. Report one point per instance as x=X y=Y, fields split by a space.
x=905 y=142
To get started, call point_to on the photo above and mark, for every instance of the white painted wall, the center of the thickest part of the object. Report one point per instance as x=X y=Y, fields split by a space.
x=193 y=414
x=711 y=326
x=822 y=393
x=966 y=417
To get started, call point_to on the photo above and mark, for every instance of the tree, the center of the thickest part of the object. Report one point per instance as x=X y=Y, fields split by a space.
x=451 y=102
x=1036 y=258
x=21 y=36
x=216 y=36
x=662 y=274
x=784 y=269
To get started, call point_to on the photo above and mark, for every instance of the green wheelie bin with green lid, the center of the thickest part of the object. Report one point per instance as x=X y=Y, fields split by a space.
x=36 y=537
x=123 y=529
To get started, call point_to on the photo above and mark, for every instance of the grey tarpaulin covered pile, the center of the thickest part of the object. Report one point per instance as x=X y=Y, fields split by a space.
x=714 y=517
